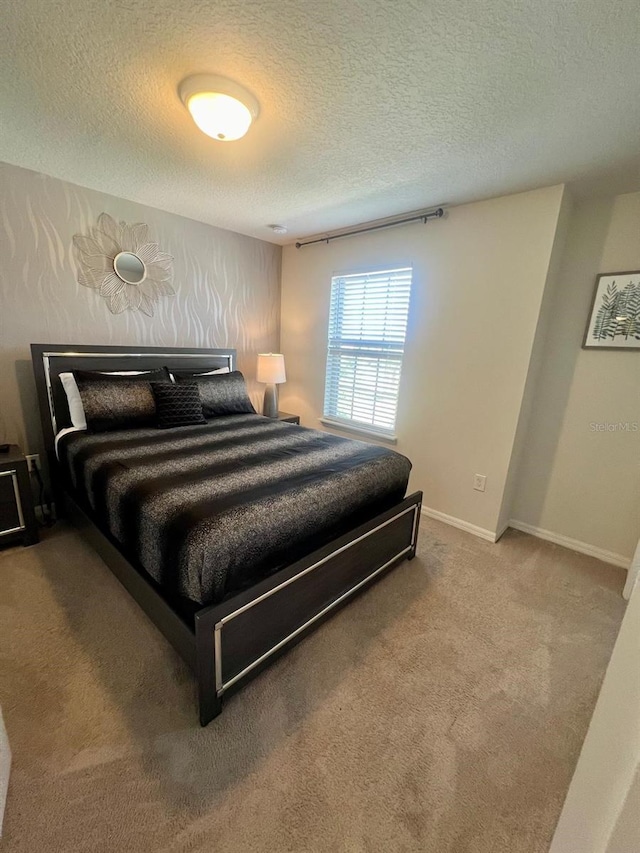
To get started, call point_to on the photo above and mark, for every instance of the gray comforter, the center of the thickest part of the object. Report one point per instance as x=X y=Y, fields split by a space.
x=208 y=509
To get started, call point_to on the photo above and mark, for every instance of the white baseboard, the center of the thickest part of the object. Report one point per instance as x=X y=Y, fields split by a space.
x=557 y=538
x=572 y=544
x=489 y=535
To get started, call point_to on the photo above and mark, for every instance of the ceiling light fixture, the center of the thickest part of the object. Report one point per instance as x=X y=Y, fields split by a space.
x=221 y=108
x=279 y=229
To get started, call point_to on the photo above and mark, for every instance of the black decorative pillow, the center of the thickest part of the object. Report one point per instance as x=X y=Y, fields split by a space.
x=177 y=405
x=222 y=394
x=118 y=402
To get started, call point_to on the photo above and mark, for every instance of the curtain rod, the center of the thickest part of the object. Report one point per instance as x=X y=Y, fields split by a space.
x=420 y=217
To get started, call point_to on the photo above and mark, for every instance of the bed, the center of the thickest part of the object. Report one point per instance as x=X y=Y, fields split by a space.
x=237 y=536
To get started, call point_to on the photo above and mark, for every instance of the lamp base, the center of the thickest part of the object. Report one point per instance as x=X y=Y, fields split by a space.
x=270 y=403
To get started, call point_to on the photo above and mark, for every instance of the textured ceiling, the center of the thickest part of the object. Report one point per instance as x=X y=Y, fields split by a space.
x=368 y=107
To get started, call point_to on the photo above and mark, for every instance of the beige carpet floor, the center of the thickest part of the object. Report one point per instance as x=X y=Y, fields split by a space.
x=442 y=711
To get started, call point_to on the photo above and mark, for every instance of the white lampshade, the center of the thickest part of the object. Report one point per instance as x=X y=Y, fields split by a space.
x=271 y=368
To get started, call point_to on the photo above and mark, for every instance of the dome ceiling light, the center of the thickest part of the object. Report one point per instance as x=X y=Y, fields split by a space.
x=221 y=108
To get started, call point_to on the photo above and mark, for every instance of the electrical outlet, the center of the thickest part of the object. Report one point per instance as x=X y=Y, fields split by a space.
x=33 y=461
x=479 y=482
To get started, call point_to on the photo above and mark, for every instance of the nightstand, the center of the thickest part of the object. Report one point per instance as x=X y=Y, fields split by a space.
x=289 y=418
x=17 y=516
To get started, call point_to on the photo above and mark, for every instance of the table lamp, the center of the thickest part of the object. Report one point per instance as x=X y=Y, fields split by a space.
x=271 y=371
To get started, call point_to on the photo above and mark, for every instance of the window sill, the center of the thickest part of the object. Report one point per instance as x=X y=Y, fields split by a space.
x=360 y=430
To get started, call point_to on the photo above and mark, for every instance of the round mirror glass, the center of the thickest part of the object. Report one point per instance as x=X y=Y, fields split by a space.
x=129 y=267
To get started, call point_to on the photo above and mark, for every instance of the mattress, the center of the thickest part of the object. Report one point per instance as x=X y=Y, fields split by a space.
x=207 y=510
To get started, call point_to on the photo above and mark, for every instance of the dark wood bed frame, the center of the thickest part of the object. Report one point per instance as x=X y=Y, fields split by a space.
x=228 y=643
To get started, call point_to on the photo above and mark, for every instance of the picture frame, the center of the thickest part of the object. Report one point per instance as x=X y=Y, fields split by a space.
x=614 y=317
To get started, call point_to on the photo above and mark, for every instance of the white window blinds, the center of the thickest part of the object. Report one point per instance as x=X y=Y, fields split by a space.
x=367 y=328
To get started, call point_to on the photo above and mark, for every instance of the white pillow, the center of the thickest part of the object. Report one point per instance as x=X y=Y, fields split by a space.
x=76 y=409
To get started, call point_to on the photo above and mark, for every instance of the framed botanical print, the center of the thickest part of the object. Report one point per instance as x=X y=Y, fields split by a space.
x=614 y=321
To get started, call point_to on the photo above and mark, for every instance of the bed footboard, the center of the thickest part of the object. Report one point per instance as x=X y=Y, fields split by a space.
x=239 y=637
x=233 y=641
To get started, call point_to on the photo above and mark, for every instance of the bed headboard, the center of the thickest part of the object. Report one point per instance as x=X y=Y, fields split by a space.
x=50 y=360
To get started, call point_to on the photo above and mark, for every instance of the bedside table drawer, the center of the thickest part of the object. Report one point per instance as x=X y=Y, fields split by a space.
x=11 y=512
x=17 y=515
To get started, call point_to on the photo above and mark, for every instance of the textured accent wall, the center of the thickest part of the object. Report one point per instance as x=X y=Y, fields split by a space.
x=227 y=288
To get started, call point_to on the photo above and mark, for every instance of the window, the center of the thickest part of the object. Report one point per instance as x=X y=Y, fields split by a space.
x=367 y=328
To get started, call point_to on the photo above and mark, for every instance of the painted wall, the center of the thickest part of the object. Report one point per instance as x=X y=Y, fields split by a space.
x=478 y=283
x=626 y=833
x=521 y=438
x=227 y=288
x=575 y=481
x=601 y=813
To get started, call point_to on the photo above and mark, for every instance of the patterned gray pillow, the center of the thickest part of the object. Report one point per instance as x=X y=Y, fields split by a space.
x=118 y=402
x=222 y=394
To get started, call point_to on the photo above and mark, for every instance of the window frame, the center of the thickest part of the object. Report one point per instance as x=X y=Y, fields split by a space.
x=354 y=426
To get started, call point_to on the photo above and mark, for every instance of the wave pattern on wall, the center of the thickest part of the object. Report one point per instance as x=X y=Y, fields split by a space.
x=227 y=288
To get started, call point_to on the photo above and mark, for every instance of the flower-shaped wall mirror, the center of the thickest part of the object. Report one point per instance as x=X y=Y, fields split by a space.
x=123 y=265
